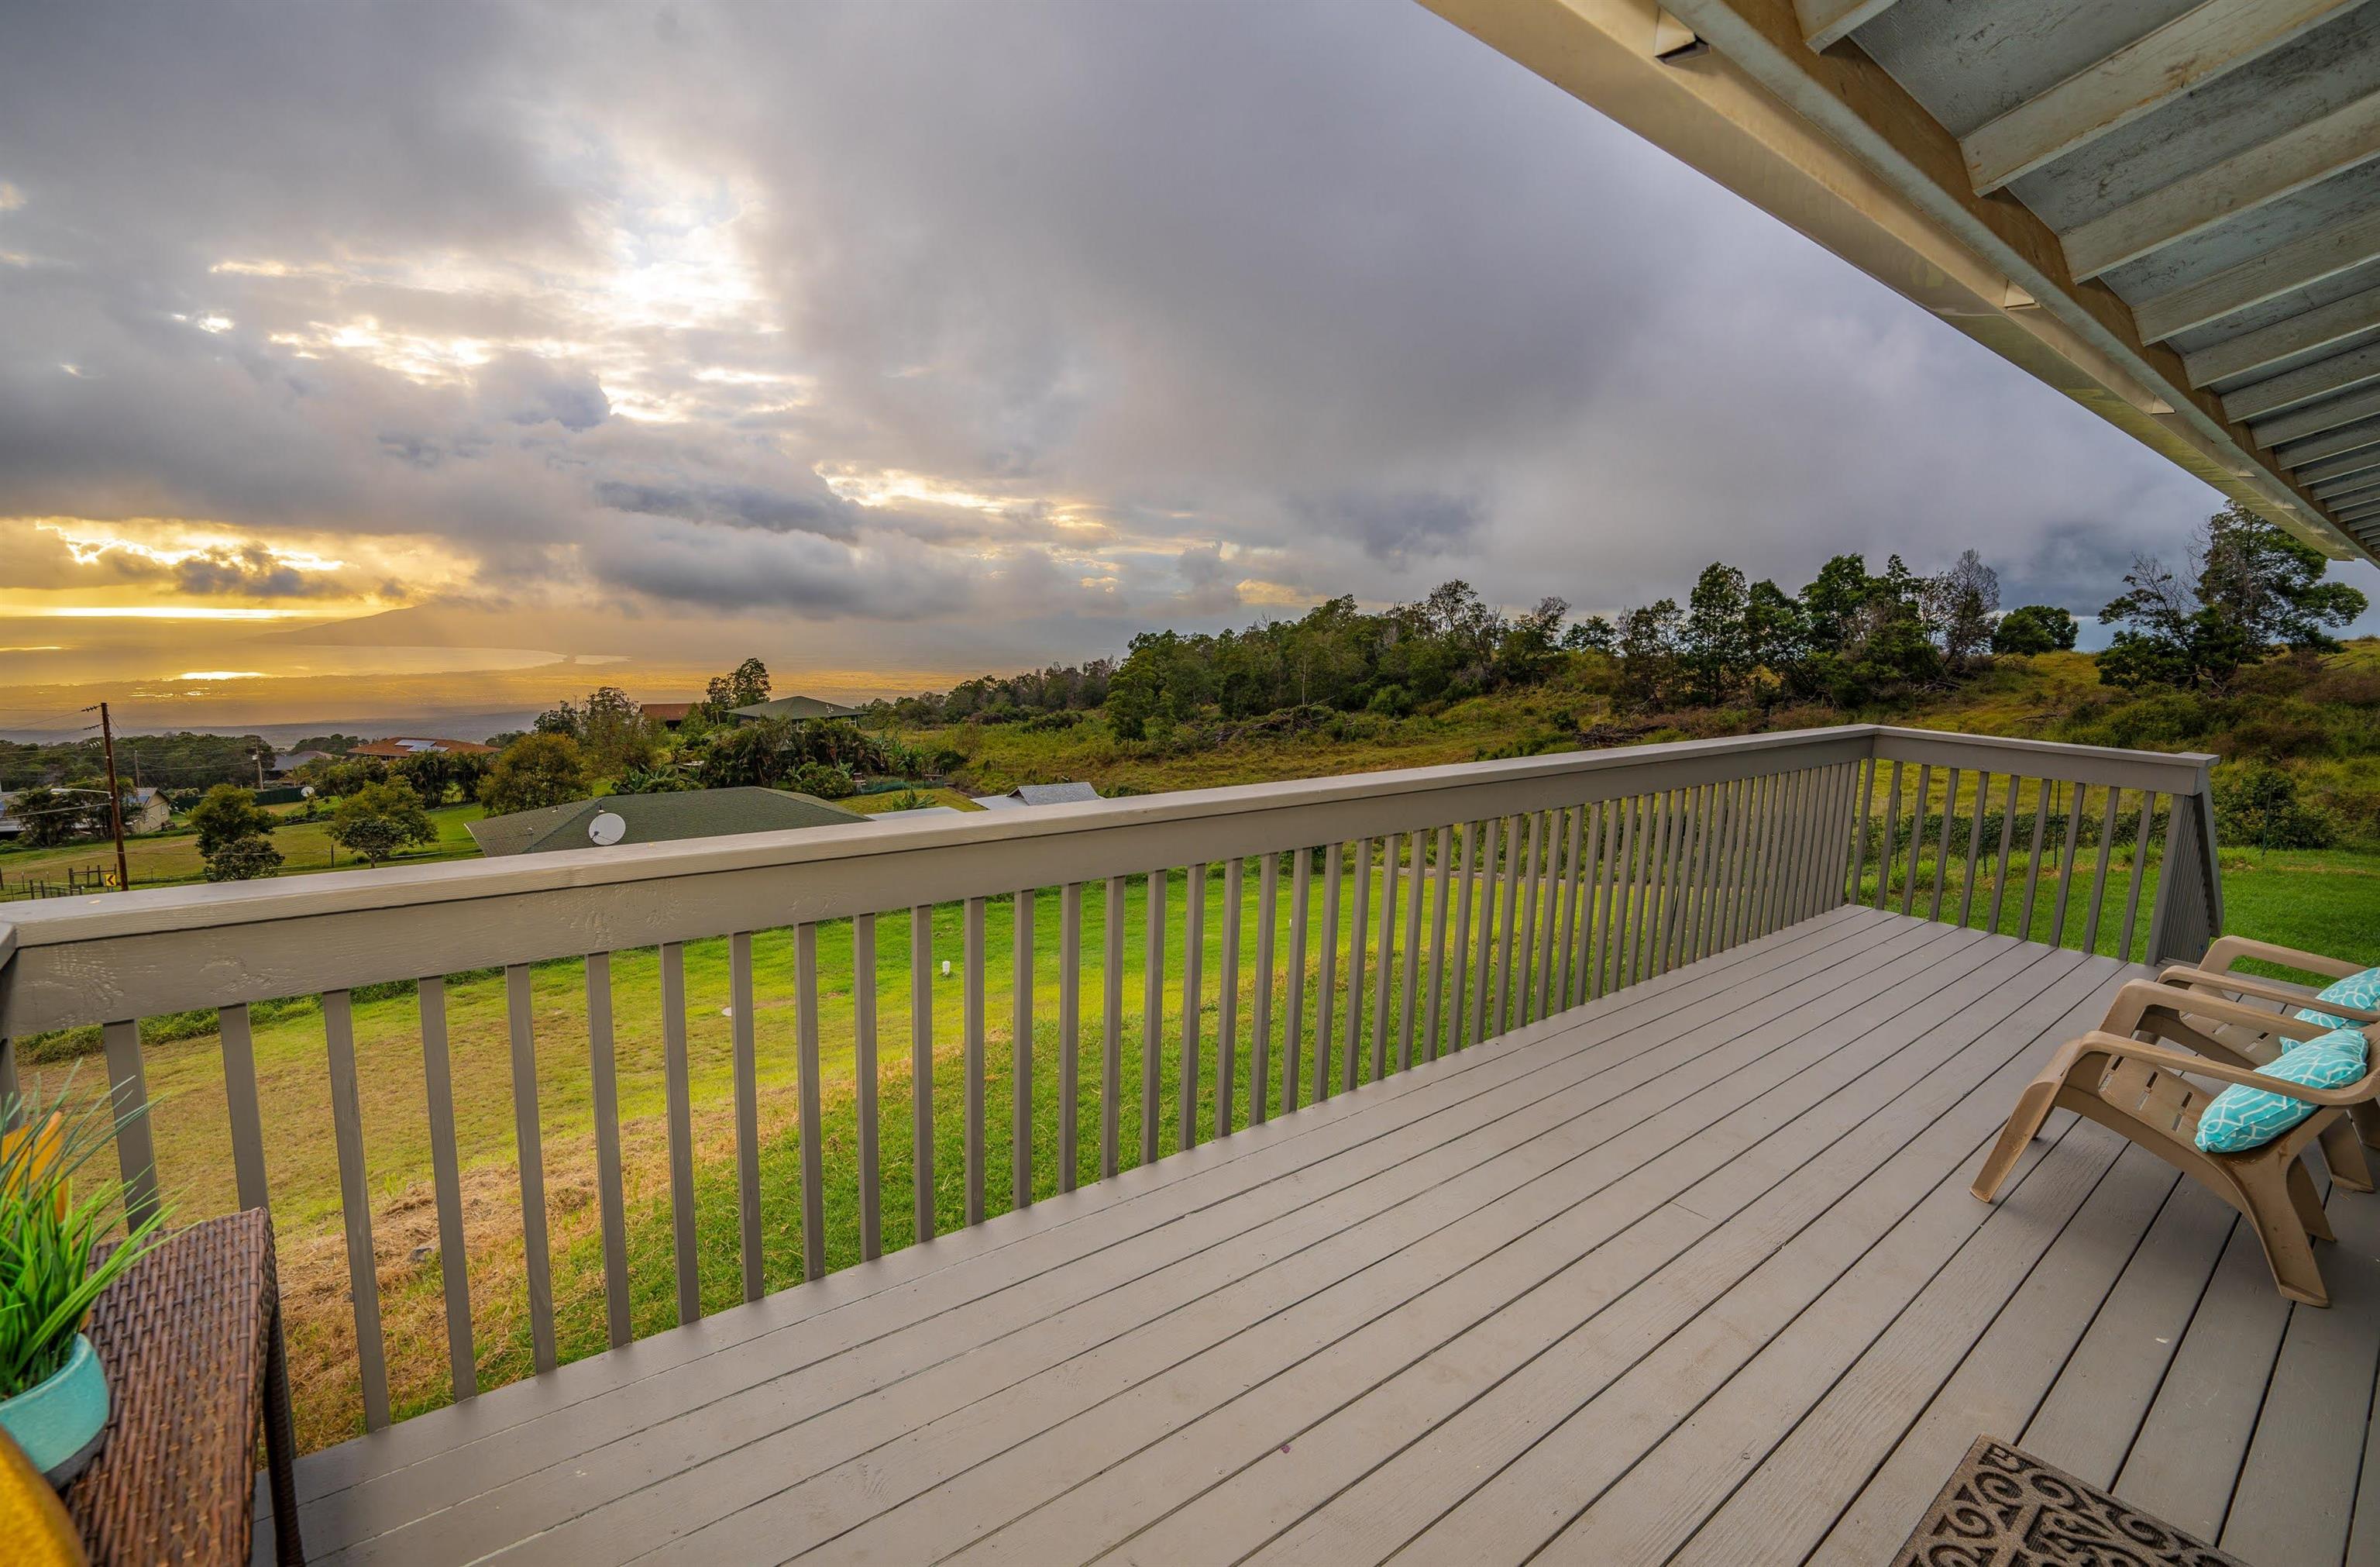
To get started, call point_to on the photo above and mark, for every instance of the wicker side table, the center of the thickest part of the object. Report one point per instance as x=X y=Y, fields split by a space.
x=191 y=1340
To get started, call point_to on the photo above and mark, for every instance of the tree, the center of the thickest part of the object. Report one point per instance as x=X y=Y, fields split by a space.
x=2251 y=587
x=743 y=687
x=1648 y=652
x=52 y=817
x=1776 y=627
x=536 y=770
x=1593 y=635
x=2035 y=628
x=226 y=814
x=1834 y=601
x=380 y=818
x=243 y=858
x=1715 y=657
x=1962 y=602
x=614 y=733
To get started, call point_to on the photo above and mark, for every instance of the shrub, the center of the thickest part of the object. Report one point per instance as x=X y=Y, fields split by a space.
x=535 y=770
x=826 y=781
x=2035 y=628
x=243 y=859
x=2258 y=806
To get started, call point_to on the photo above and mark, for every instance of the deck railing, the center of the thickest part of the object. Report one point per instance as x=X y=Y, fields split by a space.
x=1427 y=910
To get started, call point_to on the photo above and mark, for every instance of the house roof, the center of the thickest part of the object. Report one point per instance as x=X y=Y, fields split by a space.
x=919 y=811
x=1054 y=793
x=666 y=712
x=795 y=707
x=657 y=818
x=402 y=746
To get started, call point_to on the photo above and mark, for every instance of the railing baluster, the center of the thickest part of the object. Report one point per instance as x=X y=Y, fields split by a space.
x=1891 y=838
x=1410 y=976
x=1358 y=928
x=1619 y=909
x=1481 y=957
x=1326 y=994
x=747 y=1110
x=454 y=1267
x=1709 y=836
x=676 y=1079
x=1734 y=879
x=1865 y=782
x=1694 y=883
x=1549 y=902
x=1942 y=847
x=1388 y=963
x=1802 y=848
x=530 y=1146
x=2041 y=809
x=1573 y=890
x=1261 y=1057
x=868 y=1086
x=1293 y=1021
x=1658 y=811
x=1520 y=837
x=1829 y=834
x=1193 y=952
x=1760 y=865
x=1974 y=848
x=1458 y=957
x=1227 y=1014
x=2140 y=871
x=355 y=1202
x=1020 y=1038
x=1916 y=836
x=921 y=1069
x=127 y=1087
x=1595 y=944
x=1436 y=992
x=971 y=1025
x=2099 y=875
x=1839 y=856
x=1070 y=1033
x=1520 y=1007
x=604 y=1091
x=239 y=1100
x=2007 y=837
x=1112 y=1042
x=809 y=1106
x=2075 y=794
x=1152 y=1011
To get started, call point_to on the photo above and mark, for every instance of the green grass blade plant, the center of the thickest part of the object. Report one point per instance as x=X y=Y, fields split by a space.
x=47 y=1235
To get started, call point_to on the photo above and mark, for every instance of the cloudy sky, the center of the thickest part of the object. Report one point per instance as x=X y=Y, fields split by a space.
x=914 y=338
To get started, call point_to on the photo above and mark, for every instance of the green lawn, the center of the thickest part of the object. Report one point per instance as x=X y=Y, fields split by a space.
x=162 y=858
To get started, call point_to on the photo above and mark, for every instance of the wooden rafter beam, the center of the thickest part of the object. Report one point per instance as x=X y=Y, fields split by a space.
x=2300 y=422
x=2347 y=438
x=2190 y=51
x=2281 y=270
x=1825 y=23
x=2339 y=141
x=2351 y=492
x=2364 y=461
x=2323 y=378
x=2303 y=332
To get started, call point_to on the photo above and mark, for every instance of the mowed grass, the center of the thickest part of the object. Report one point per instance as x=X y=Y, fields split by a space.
x=2327 y=901
x=162 y=858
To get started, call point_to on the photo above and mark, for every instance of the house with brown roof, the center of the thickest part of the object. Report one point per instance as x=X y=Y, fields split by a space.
x=397 y=748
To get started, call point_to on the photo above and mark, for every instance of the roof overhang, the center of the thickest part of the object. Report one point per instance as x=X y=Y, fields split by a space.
x=2217 y=297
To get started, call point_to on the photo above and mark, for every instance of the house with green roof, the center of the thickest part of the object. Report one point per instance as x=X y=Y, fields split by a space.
x=654 y=819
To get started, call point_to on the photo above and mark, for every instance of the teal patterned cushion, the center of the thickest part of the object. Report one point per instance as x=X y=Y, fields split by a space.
x=2360 y=991
x=2240 y=1118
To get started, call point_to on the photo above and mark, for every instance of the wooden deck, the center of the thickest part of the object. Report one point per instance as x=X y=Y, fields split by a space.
x=1690 y=1274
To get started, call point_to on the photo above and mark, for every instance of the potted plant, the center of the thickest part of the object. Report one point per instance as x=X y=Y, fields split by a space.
x=54 y=1397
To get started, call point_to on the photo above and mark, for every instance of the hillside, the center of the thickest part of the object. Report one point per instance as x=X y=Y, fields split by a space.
x=2316 y=717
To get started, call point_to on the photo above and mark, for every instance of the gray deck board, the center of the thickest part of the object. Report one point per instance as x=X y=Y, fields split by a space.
x=1689 y=1273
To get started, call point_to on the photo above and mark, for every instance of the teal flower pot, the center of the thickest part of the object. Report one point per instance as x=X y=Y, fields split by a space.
x=58 y=1422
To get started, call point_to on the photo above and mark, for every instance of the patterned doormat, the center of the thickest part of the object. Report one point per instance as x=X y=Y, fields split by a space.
x=2006 y=1508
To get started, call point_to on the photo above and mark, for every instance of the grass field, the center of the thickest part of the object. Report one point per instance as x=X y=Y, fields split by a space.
x=162 y=858
x=2320 y=900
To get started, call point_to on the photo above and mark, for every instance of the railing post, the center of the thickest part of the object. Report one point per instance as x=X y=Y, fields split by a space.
x=2188 y=914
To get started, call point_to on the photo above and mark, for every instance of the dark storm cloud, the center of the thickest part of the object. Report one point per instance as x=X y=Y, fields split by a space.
x=735 y=506
x=1103 y=309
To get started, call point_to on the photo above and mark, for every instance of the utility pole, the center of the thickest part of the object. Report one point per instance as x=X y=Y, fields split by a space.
x=115 y=797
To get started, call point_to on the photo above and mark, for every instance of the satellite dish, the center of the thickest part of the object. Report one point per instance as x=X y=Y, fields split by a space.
x=307 y=792
x=608 y=828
